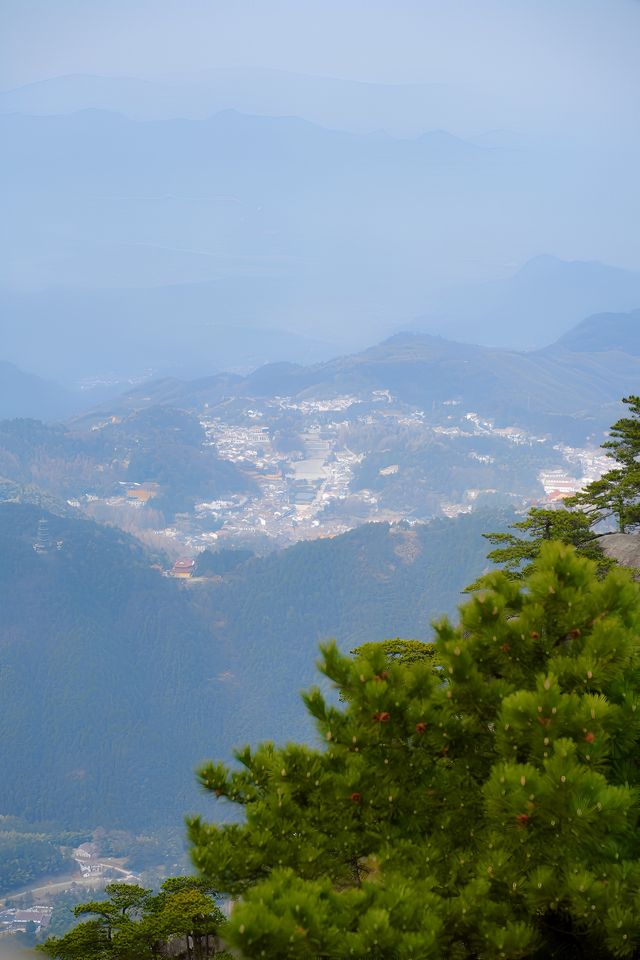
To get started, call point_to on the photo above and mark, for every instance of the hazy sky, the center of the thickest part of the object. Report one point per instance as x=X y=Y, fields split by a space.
x=563 y=75
x=583 y=51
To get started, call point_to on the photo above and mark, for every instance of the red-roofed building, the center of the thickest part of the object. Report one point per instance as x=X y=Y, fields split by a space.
x=185 y=567
x=556 y=496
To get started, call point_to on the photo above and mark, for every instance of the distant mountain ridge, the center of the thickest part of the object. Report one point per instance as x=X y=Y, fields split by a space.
x=604 y=332
x=26 y=395
x=539 y=303
x=173 y=330
x=421 y=367
x=168 y=230
x=574 y=384
x=401 y=109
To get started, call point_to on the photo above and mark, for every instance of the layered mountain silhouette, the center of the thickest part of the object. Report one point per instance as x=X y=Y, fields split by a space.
x=131 y=244
x=605 y=332
x=570 y=388
x=541 y=301
x=581 y=376
x=26 y=395
x=401 y=109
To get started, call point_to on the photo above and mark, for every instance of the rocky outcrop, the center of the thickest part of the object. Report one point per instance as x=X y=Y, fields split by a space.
x=623 y=547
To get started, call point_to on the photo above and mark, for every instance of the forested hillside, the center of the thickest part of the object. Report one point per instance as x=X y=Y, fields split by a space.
x=370 y=584
x=104 y=668
x=29 y=851
x=115 y=681
x=161 y=446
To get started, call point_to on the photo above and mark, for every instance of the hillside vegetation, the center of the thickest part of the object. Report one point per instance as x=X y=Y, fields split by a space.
x=117 y=681
x=160 y=446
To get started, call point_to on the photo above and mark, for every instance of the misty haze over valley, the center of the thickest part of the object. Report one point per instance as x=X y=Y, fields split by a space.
x=297 y=301
x=218 y=216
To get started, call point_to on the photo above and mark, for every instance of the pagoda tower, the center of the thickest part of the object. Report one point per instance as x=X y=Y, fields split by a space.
x=43 y=541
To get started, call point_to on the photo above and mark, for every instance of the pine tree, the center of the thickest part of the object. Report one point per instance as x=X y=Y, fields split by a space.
x=486 y=810
x=397 y=650
x=516 y=553
x=133 y=924
x=624 y=442
x=617 y=492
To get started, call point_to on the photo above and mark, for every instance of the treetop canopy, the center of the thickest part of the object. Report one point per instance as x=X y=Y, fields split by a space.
x=479 y=804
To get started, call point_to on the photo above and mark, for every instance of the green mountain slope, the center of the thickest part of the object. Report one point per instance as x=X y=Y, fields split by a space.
x=376 y=582
x=104 y=669
x=115 y=682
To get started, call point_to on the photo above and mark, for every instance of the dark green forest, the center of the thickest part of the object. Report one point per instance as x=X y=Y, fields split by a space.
x=25 y=857
x=479 y=803
x=375 y=582
x=117 y=681
x=103 y=674
x=220 y=562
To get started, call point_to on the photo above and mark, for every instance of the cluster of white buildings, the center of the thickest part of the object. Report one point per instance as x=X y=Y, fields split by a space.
x=586 y=464
x=93 y=866
x=512 y=434
x=239 y=444
x=18 y=919
x=311 y=489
